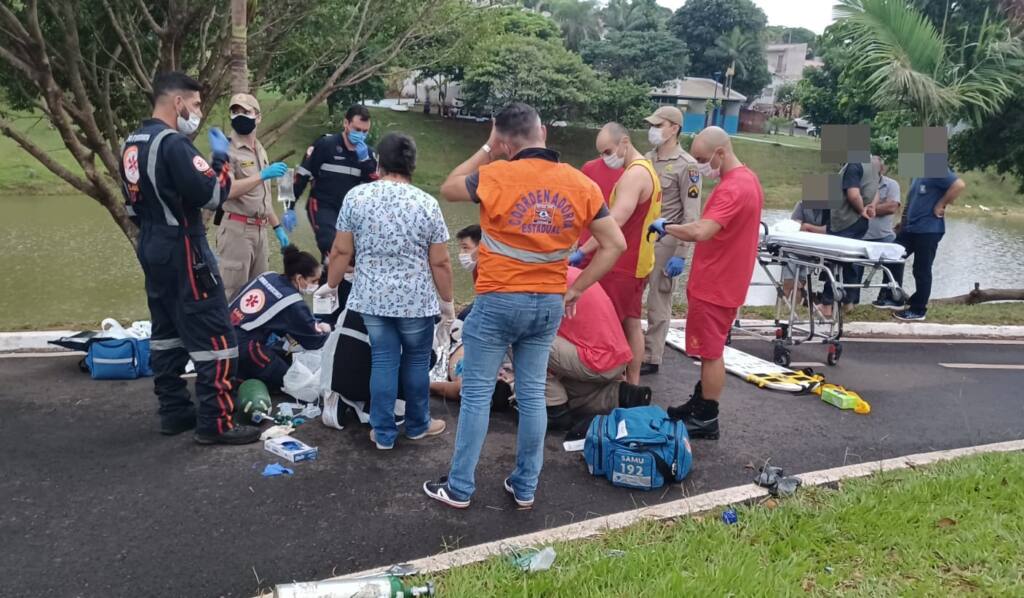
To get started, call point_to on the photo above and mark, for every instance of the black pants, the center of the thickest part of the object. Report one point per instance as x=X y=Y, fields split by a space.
x=923 y=247
x=256 y=360
x=190 y=320
x=851 y=274
x=324 y=220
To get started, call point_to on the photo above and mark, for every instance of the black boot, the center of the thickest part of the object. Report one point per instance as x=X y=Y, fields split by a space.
x=683 y=411
x=172 y=427
x=701 y=428
x=648 y=368
x=634 y=396
x=237 y=435
x=559 y=418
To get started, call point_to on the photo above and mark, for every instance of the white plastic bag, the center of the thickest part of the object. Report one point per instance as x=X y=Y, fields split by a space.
x=302 y=380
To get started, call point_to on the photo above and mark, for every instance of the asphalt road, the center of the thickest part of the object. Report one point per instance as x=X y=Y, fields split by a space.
x=96 y=503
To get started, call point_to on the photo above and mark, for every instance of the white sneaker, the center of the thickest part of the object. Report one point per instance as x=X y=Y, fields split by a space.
x=382 y=447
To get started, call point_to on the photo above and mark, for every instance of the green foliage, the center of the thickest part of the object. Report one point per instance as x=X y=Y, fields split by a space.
x=635 y=15
x=622 y=101
x=516 y=21
x=786 y=94
x=701 y=23
x=776 y=124
x=914 y=67
x=542 y=73
x=578 y=20
x=651 y=57
x=998 y=143
x=834 y=94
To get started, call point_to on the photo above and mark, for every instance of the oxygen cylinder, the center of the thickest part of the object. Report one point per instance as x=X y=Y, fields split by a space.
x=254 y=400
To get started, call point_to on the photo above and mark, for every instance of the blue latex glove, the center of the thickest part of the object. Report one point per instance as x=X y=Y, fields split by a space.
x=576 y=258
x=675 y=266
x=362 y=152
x=282 y=237
x=658 y=226
x=273 y=171
x=289 y=221
x=218 y=142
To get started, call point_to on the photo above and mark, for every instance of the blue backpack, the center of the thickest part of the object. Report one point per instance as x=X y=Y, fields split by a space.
x=118 y=358
x=638 y=447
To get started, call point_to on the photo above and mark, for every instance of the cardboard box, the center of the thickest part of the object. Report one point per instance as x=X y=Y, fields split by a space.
x=291 y=448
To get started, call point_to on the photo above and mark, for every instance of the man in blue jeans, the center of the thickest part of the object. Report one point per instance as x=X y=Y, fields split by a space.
x=532 y=211
x=924 y=223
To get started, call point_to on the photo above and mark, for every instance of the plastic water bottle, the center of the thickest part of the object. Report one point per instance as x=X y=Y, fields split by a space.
x=379 y=587
x=286 y=187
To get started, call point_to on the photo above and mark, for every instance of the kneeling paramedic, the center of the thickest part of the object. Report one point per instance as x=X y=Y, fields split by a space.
x=271 y=308
x=166 y=183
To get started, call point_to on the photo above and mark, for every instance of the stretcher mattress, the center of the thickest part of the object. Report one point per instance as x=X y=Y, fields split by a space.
x=802 y=242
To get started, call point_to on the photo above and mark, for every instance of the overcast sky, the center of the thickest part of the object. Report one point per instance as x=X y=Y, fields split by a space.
x=812 y=14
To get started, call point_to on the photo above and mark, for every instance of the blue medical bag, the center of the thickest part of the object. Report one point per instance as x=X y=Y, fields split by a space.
x=638 y=447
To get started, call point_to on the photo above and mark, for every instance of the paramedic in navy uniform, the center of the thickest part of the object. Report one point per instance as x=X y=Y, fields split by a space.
x=271 y=307
x=335 y=163
x=166 y=184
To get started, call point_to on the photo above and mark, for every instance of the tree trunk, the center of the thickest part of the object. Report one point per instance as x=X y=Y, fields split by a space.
x=980 y=295
x=239 y=54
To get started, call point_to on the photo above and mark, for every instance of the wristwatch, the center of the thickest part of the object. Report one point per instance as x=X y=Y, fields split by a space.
x=487 y=149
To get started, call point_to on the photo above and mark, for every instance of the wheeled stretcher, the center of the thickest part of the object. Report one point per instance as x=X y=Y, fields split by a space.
x=808 y=258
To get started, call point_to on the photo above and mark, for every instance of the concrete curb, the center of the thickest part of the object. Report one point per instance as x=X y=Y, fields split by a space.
x=37 y=340
x=682 y=507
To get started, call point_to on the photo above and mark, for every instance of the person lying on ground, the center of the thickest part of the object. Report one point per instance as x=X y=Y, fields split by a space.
x=723 y=262
x=269 y=310
x=400 y=241
x=451 y=389
x=587 y=361
x=635 y=203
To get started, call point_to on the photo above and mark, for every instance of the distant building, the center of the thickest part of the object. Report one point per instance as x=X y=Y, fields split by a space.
x=786 y=64
x=691 y=95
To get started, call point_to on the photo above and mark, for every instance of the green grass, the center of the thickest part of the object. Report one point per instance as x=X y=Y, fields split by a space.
x=995 y=314
x=950 y=529
x=812 y=143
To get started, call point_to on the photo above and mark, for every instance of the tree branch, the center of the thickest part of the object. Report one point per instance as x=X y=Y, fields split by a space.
x=44 y=158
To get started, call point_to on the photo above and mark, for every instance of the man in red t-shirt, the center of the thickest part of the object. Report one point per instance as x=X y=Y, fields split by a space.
x=587 y=360
x=723 y=262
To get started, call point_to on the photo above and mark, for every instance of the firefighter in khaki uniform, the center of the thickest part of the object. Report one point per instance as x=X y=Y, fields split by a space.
x=680 y=203
x=242 y=236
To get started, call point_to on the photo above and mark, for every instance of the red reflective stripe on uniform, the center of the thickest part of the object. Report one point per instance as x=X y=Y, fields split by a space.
x=312 y=207
x=218 y=386
x=227 y=378
x=188 y=267
x=252 y=353
x=259 y=349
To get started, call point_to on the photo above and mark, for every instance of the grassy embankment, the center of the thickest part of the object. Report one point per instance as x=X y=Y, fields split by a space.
x=442 y=144
x=951 y=529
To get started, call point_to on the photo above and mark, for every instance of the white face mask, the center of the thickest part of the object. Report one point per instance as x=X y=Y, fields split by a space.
x=614 y=162
x=467 y=261
x=655 y=137
x=709 y=173
x=310 y=289
x=187 y=127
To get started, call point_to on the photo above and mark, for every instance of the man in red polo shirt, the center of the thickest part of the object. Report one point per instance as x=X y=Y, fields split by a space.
x=723 y=262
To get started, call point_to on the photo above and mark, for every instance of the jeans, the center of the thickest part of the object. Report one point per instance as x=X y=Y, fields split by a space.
x=851 y=274
x=923 y=247
x=526 y=322
x=400 y=348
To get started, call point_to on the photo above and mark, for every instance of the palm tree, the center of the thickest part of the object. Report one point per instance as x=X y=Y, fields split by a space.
x=910 y=65
x=578 y=20
x=634 y=15
x=734 y=45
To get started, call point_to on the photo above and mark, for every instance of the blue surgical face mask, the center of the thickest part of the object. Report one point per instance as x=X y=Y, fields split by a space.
x=356 y=137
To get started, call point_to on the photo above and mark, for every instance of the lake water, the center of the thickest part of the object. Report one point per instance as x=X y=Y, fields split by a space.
x=65 y=261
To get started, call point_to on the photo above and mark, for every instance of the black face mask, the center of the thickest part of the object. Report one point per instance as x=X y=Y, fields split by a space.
x=243 y=124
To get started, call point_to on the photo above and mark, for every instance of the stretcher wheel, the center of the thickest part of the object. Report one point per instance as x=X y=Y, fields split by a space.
x=899 y=295
x=781 y=356
x=835 y=351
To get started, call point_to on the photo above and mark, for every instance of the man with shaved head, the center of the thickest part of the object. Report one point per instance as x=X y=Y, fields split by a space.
x=723 y=262
x=635 y=203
